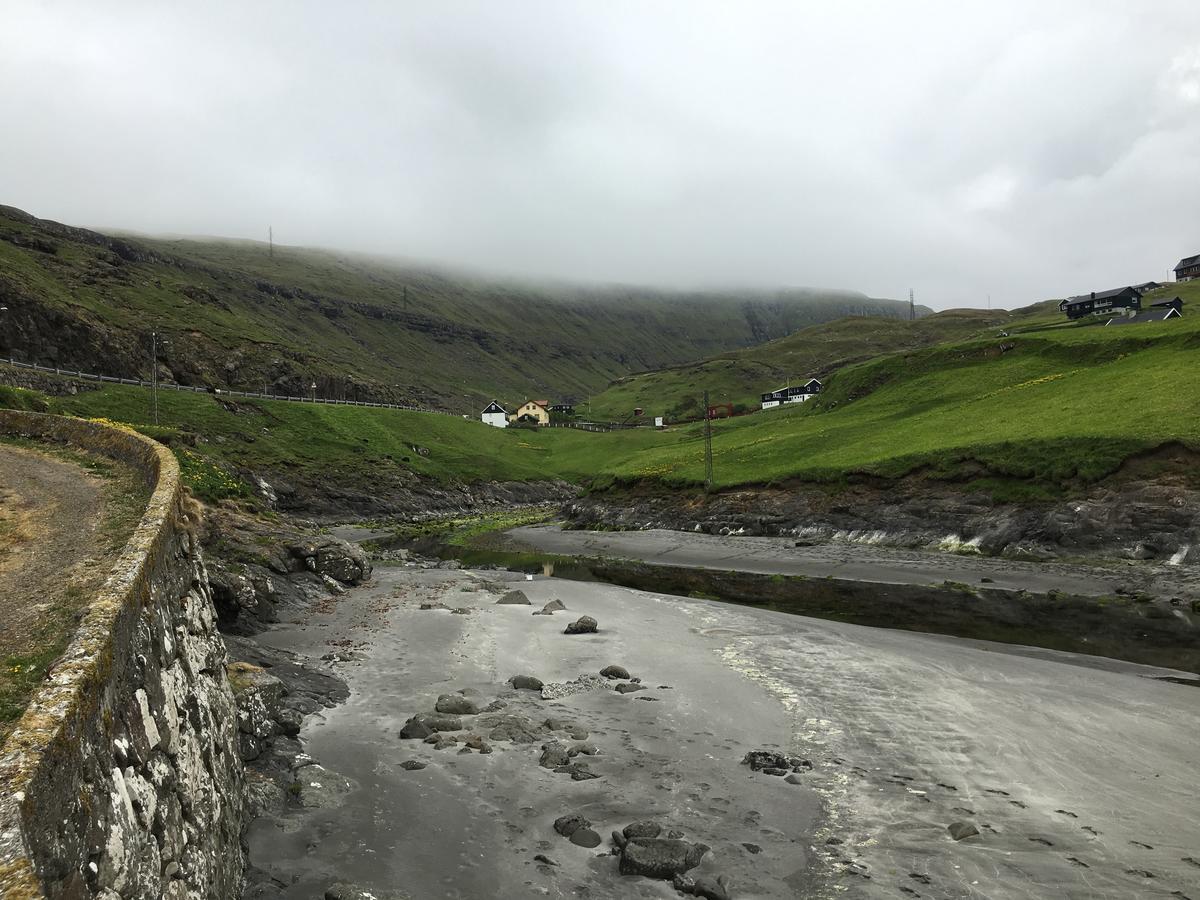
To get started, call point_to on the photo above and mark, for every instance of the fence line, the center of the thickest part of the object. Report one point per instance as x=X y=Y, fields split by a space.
x=221 y=392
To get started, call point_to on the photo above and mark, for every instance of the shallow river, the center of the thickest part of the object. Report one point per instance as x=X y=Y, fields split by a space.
x=1079 y=773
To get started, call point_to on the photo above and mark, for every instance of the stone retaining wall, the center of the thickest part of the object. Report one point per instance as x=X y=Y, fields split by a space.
x=122 y=778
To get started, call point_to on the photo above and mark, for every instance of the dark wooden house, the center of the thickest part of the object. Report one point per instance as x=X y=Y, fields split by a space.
x=1188 y=268
x=1102 y=303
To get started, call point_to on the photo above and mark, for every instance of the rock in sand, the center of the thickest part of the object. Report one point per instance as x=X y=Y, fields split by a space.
x=961 y=830
x=568 y=824
x=514 y=598
x=422 y=725
x=583 y=625
x=526 y=683
x=660 y=857
x=456 y=704
x=615 y=672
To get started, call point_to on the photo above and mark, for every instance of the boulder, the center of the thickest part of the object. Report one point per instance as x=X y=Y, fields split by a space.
x=517 y=729
x=619 y=672
x=765 y=759
x=514 y=598
x=629 y=688
x=583 y=625
x=526 y=683
x=660 y=857
x=422 y=725
x=456 y=704
x=339 y=559
x=646 y=828
x=567 y=825
x=703 y=886
x=961 y=830
x=585 y=837
x=412 y=765
x=553 y=755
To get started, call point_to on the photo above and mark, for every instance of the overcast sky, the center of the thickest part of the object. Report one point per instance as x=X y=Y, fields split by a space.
x=1021 y=149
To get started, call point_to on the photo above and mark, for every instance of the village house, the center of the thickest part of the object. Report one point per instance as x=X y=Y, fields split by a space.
x=799 y=394
x=495 y=415
x=532 y=410
x=1102 y=303
x=1158 y=312
x=1188 y=268
x=563 y=409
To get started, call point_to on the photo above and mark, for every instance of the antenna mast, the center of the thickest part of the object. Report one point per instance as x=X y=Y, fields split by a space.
x=270 y=242
x=912 y=308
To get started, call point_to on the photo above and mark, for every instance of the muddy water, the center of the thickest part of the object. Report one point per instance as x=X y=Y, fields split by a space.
x=1079 y=779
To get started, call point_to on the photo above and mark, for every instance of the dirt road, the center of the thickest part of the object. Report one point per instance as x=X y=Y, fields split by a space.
x=50 y=510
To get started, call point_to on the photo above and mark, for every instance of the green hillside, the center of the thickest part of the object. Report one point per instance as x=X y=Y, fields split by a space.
x=1045 y=408
x=234 y=315
x=741 y=376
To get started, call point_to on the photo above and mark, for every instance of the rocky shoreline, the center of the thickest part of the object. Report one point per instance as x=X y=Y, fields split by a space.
x=1136 y=514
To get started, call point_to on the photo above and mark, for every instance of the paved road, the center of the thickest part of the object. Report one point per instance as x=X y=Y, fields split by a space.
x=49 y=512
x=857 y=562
x=1081 y=780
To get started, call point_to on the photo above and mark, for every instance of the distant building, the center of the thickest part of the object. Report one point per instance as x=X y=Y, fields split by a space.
x=495 y=415
x=535 y=410
x=1102 y=303
x=800 y=394
x=563 y=409
x=1188 y=268
x=1147 y=286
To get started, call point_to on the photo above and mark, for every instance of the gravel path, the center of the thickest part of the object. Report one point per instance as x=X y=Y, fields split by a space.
x=50 y=511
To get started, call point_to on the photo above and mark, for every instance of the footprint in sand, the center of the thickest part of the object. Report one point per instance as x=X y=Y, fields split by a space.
x=948 y=787
x=997 y=791
x=1090 y=830
x=1141 y=873
x=1019 y=804
x=1140 y=844
x=1067 y=812
x=1078 y=862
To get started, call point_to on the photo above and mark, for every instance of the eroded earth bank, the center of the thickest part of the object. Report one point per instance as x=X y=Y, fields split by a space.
x=896 y=764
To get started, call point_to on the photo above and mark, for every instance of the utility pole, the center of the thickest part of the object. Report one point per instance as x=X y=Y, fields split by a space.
x=708 y=465
x=154 y=373
x=271 y=242
x=912 y=307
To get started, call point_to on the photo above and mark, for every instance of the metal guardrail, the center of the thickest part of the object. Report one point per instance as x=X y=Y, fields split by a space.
x=220 y=392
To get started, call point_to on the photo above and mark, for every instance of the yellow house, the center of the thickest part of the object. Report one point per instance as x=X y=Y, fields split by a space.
x=535 y=409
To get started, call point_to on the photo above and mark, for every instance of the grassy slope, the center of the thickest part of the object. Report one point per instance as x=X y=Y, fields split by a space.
x=740 y=376
x=1058 y=406
x=236 y=317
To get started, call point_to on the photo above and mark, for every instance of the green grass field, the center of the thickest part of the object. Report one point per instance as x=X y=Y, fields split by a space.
x=1048 y=406
x=741 y=376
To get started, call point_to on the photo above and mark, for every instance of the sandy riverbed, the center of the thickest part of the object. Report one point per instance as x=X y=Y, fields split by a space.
x=1081 y=778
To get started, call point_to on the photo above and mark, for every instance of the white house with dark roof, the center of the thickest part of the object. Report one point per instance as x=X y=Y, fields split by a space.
x=798 y=394
x=495 y=415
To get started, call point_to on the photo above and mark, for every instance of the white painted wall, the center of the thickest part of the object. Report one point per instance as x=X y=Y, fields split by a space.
x=498 y=420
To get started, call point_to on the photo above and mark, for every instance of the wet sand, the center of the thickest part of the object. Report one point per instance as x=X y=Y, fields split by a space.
x=1080 y=778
